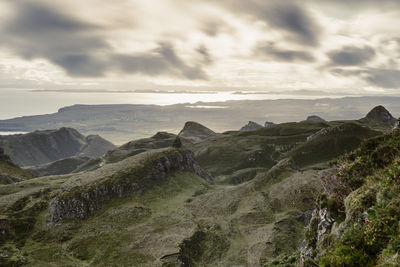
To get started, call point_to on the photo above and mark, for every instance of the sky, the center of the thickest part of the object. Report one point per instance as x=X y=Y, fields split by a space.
x=349 y=46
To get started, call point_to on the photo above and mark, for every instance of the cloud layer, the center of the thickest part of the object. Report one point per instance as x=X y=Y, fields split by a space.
x=214 y=43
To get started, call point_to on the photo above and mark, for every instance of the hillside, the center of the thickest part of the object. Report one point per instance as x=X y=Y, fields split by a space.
x=41 y=147
x=195 y=132
x=231 y=199
x=9 y=172
x=379 y=118
x=356 y=222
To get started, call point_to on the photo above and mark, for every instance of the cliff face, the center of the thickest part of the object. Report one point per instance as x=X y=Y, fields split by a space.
x=42 y=147
x=82 y=200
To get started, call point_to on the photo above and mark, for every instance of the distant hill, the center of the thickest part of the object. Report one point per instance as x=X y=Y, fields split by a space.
x=314 y=118
x=42 y=147
x=9 y=172
x=195 y=132
x=62 y=166
x=251 y=126
x=123 y=123
x=379 y=118
x=157 y=141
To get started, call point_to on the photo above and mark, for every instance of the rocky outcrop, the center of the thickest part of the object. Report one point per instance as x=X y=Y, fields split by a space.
x=81 y=201
x=269 y=124
x=251 y=126
x=314 y=118
x=381 y=114
x=41 y=147
x=320 y=224
x=195 y=132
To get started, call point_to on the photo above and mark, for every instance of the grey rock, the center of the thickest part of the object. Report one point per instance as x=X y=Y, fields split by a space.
x=251 y=126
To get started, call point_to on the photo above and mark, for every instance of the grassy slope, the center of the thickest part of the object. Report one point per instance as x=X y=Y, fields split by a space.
x=140 y=230
x=339 y=140
x=368 y=234
x=247 y=224
x=10 y=173
x=228 y=153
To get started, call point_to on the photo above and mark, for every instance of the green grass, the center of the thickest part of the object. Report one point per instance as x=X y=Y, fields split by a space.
x=370 y=229
x=340 y=140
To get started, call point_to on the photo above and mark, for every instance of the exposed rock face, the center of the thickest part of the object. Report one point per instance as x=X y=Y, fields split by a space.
x=314 y=118
x=320 y=224
x=41 y=147
x=268 y=124
x=81 y=201
x=381 y=114
x=326 y=132
x=251 y=126
x=195 y=132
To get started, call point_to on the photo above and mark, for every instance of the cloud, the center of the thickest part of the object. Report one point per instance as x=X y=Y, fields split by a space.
x=205 y=54
x=361 y=3
x=212 y=27
x=272 y=52
x=81 y=49
x=40 y=31
x=351 y=55
x=385 y=78
x=162 y=60
x=288 y=16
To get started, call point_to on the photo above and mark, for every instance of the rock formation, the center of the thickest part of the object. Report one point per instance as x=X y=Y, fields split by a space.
x=314 y=118
x=195 y=132
x=251 y=126
x=82 y=200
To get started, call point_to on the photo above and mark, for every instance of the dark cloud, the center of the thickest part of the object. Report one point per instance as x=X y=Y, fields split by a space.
x=272 y=52
x=361 y=3
x=212 y=27
x=288 y=16
x=81 y=65
x=385 y=78
x=205 y=54
x=40 y=31
x=351 y=55
x=162 y=60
